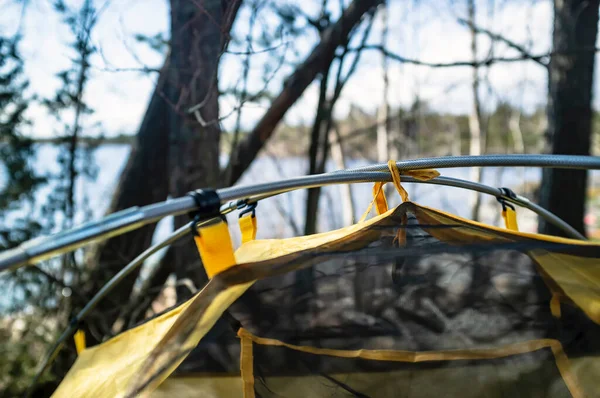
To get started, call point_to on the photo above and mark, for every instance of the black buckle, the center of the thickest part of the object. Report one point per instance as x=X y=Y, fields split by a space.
x=208 y=205
x=250 y=208
x=507 y=192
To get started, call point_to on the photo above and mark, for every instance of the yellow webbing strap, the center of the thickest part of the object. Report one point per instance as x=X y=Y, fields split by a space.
x=509 y=214
x=248 y=227
x=510 y=218
x=561 y=359
x=215 y=247
x=555 y=305
x=246 y=364
x=379 y=199
x=79 y=338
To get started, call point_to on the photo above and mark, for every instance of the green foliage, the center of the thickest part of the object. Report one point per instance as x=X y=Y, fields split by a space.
x=70 y=111
x=158 y=42
x=17 y=177
x=20 y=349
x=17 y=187
x=43 y=290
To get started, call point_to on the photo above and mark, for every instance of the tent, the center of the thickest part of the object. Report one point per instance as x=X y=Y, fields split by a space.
x=412 y=302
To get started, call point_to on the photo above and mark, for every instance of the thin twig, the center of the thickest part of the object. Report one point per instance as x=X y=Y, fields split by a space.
x=540 y=58
x=497 y=37
x=144 y=69
x=261 y=51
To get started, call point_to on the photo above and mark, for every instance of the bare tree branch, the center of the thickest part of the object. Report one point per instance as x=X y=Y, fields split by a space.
x=322 y=126
x=261 y=51
x=297 y=83
x=477 y=132
x=497 y=37
x=144 y=69
x=245 y=72
x=542 y=59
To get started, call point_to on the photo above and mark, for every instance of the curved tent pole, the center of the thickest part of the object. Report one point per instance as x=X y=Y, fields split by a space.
x=136 y=217
x=473 y=186
x=506 y=160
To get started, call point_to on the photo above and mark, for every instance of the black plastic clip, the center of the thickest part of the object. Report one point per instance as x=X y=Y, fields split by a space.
x=506 y=192
x=75 y=322
x=208 y=205
x=249 y=208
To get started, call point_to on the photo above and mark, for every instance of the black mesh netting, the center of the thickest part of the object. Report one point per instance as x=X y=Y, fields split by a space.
x=387 y=292
x=301 y=374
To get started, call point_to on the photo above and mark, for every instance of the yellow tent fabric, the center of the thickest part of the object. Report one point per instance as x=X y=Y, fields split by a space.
x=139 y=360
x=210 y=386
x=577 y=277
x=109 y=369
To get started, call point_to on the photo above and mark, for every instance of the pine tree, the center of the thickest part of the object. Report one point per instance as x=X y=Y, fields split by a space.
x=18 y=183
x=18 y=180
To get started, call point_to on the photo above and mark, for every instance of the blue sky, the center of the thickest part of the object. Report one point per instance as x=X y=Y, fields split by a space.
x=426 y=30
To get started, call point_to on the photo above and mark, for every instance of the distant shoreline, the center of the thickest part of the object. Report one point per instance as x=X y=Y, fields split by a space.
x=120 y=139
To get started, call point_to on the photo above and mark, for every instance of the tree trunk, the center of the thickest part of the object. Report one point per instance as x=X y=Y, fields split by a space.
x=383 y=126
x=514 y=124
x=193 y=151
x=162 y=161
x=316 y=143
x=570 y=82
x=304 y=285
x=384 y=142
x=382 y=134
x=143 y=182
x=338 y=156
x=475 y=125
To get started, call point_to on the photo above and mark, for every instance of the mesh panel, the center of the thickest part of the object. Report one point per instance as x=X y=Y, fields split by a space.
x=532 y=374
x=378 y=297
x=433 y=284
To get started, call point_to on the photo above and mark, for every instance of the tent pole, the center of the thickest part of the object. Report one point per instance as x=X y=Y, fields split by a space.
x=42 y=248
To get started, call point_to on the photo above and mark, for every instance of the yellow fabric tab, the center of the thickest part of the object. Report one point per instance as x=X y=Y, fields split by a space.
x=79 y=338
x=215 y=247
x=555 y=305
x=396 y=179
x=510 y=219
x=248 y=227
x=379 y=199
x=246 y=364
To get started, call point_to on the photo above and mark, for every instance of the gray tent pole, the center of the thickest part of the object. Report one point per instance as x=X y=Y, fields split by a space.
x=130 y=219
x=473 y=186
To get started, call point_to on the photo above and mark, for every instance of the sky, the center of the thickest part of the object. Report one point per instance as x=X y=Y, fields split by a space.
x=425 y=30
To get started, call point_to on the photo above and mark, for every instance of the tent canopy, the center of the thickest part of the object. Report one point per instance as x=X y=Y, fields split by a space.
x=412 y=302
